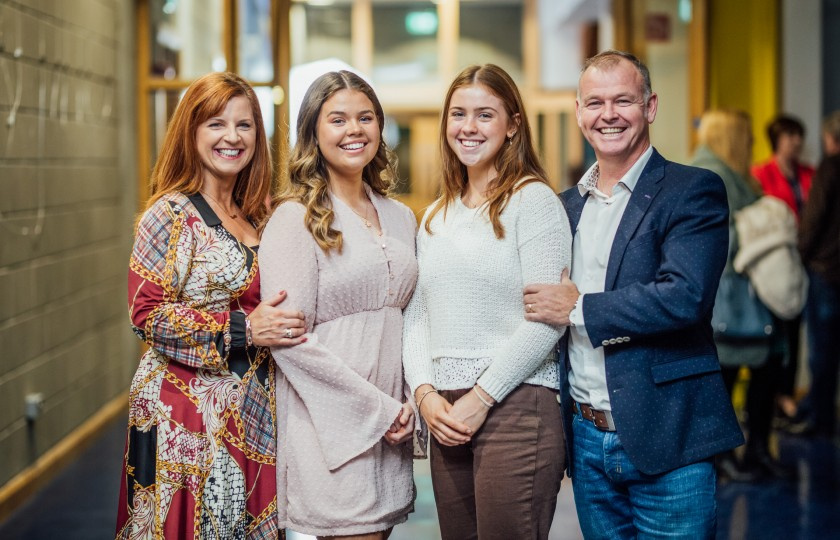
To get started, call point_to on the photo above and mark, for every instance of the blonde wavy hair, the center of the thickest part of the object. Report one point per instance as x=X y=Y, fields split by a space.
x=178 y=167
x=307 y=179
x=517 y=163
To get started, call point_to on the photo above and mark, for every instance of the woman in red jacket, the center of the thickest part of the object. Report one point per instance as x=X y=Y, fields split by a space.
x=785 y=177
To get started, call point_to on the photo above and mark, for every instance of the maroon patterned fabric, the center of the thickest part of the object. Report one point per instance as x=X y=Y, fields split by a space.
x=200 y=450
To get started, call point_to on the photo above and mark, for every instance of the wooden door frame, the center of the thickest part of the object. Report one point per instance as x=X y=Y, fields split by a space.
x=147 y=84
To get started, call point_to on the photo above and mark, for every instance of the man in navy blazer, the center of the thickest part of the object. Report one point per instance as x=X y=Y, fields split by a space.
x=645 y=405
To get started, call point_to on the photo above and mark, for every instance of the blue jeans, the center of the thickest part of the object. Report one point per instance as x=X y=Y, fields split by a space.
x=822 y=316
x=616 y=500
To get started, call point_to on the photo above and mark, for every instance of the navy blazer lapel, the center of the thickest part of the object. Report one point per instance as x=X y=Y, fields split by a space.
x=574 y=202
x=646 y=189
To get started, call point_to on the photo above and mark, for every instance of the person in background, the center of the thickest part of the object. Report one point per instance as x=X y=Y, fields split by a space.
x=200 y=450
x=644 y=397
x=484 y=378
x=344 y=251
x=784 y=176
x=819 y=246
x=725 y=148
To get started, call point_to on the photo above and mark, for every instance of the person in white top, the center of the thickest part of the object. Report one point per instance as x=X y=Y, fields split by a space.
x=485 y=379
x=344 y=251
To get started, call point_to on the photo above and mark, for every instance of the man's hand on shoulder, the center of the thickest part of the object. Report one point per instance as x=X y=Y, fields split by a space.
x=551 y=304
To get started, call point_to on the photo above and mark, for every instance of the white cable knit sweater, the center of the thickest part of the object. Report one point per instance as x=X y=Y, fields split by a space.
x=465 y=322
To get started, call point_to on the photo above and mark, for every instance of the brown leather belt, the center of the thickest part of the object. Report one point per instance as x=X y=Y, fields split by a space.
x=602 y=419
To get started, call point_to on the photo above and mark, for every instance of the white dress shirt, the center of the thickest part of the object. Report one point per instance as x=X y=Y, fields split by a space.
x=591 y=248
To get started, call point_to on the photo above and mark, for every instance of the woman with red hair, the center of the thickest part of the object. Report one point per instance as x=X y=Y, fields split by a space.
x=200 y=450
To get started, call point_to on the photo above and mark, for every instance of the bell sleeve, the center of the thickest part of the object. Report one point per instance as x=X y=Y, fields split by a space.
x=349 y=413
x=160 y=263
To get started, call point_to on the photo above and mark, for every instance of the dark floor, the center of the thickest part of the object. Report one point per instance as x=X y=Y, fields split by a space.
x=80 y=503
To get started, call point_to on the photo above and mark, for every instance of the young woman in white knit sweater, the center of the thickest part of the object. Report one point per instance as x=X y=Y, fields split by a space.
x=484 y=378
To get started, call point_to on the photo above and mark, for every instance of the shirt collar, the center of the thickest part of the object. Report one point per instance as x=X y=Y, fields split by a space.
x=207 y=214
x=629 y=180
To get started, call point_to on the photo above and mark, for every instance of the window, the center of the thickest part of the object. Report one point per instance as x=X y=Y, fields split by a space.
x=180 y=40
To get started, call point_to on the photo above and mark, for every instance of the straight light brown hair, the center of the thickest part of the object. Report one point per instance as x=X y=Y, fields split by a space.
x=517 y=163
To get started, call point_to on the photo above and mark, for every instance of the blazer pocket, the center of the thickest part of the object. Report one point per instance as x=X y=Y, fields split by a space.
x=642 y=239
x=684 y=367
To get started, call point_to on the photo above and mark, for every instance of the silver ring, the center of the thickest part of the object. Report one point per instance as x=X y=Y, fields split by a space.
x=528 y=308
x=288 y=333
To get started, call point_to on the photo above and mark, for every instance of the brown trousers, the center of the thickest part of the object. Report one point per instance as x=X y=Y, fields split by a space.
x=503 y=483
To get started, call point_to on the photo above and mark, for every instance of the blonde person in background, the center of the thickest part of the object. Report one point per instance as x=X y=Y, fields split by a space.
x=344 y=251
x=725 y=138
x=484 y=378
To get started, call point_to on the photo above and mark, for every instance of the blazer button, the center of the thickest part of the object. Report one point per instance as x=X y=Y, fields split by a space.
x=613 y=341
x=558 y=398
x=605 y=342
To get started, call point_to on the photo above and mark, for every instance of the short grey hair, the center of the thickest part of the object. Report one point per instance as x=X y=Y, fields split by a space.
x=610 y=58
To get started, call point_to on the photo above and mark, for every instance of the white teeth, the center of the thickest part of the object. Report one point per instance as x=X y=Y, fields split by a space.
x=228 y=153
x=354 y=146
x=609 y=131
x=470 y=144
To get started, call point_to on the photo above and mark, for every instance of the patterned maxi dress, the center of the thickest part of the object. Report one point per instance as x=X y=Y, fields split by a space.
x=338 y=393
x=200 y=450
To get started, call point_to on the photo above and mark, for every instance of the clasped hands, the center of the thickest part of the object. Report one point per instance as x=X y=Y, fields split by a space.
x=452 y=424
x=272 y=326
x=551 y=303
x=403 y=427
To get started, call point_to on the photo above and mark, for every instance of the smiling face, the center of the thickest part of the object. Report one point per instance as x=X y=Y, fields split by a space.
x=226 y=141
x=612 y=112
x=348 y=134
x=477 y=126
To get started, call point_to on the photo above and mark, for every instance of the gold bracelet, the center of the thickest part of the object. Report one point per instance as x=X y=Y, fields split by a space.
x=426 y=393
x=486 y=403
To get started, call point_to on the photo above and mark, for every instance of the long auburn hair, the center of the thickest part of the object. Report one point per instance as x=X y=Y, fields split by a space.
x=179 y=168
x=516 y=163
x=308 y=175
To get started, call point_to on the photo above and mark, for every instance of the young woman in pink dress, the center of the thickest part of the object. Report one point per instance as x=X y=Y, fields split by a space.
x=344 y=251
